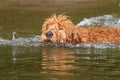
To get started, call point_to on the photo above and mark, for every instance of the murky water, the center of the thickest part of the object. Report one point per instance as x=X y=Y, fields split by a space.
x=23 y=57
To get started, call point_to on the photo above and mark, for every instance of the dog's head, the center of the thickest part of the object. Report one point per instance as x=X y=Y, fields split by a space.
x=57 y=29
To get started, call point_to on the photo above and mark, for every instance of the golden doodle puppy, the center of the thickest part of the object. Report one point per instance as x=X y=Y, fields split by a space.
x=60 y=29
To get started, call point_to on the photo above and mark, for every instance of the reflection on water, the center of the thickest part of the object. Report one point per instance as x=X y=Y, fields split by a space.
x=57 y=56
x=58 y=59
x=49 y=62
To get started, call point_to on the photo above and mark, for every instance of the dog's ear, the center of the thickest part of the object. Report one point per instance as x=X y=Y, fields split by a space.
x=75 y=38
x=72 y=38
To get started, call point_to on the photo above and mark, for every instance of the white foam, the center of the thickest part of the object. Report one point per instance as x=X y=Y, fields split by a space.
x=34 y=42
x=105 y=20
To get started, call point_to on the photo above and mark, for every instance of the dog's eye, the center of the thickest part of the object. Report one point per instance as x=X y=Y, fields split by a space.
x=60 y=28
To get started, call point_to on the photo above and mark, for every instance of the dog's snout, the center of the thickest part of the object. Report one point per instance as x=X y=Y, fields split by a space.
x=49 y=34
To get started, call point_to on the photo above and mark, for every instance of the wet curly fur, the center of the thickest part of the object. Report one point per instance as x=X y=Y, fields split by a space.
x=62 y=30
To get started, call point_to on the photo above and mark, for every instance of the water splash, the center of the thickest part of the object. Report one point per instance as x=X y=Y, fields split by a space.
x=35 y=42
x=105 y=20
x=13 y=37
x=32 y=41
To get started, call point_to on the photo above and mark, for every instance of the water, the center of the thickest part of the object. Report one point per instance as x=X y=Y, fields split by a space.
x=21 y=41
x=24 y=57
x=105 y=20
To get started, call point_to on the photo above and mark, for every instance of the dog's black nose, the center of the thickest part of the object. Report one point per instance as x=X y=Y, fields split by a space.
x=49 y=34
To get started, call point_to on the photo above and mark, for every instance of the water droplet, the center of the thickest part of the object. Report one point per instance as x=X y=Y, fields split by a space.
x=13 y=36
